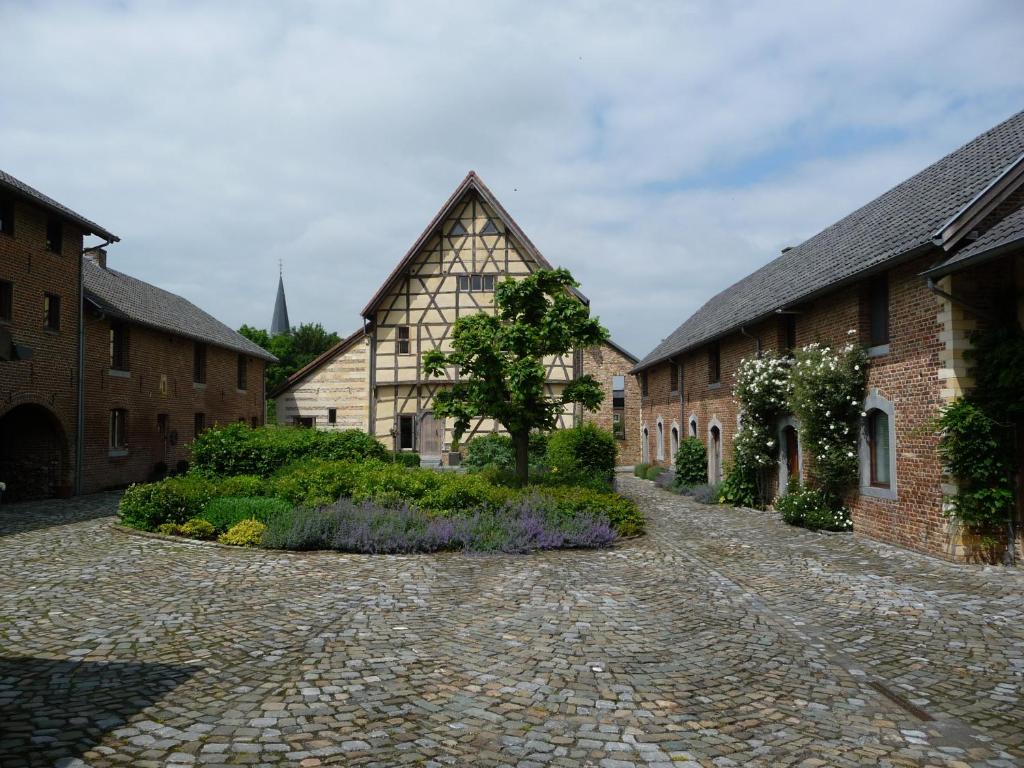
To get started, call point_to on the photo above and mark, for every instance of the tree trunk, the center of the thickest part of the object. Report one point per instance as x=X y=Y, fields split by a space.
x=521 y=442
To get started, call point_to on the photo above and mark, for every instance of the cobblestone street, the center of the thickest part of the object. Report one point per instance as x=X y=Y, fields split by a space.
x=723 y=637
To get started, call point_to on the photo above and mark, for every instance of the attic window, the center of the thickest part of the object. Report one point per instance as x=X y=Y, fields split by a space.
x=476 y=283
x=457 y=230
x=490 y=229
x=6 y=217
x=54 y=235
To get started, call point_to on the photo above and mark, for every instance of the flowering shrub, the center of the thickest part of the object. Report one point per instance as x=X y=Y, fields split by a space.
x=520 y=526
x=827 y=393
x=762 y=389
x=812 y=508
x=691 y=462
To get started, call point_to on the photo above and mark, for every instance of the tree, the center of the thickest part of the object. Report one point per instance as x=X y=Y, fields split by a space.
x=499 y=359
x=293 y=350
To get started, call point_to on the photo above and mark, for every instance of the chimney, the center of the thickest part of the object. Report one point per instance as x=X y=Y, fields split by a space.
x=97 y=256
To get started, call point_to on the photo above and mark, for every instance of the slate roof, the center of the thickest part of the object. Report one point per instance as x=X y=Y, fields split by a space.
x=897 y=225
x=1006 y=232
x=279 y=323
x=128 y=298
x=21 y=189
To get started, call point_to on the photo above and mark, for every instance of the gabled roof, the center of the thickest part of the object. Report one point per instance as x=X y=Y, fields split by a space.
x=623 y=351
x=20 y=189
x=895 y=226
x=127 y=298
x=472 y=182
x=313 y=365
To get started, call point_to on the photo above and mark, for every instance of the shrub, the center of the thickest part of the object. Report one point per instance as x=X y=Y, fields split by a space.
x=496 y=450
x=666 y=480
x=173 y=500
x=237 y=449
x=242 y=485
x=691 y=461
x=226 y=512
x=583 y=451
x=169 y=529
x=705 y=494
x=197 y=528
x=739 y=487
x=762 y=390
x=654 y=472
x=640 y=470
x=405 y=458
x=570 y=501
x=812 y=508
x=248 y=533
x=367 y=527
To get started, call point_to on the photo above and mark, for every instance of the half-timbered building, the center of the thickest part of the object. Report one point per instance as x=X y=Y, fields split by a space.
x=374 y=378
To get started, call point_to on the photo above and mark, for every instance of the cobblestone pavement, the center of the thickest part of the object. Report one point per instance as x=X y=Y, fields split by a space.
x=721 y=638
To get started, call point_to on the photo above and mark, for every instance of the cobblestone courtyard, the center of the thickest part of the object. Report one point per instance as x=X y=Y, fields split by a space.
x=721 y=638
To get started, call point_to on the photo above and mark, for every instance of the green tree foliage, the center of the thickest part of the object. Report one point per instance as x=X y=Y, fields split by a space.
x=583 y=452
x=293 y=350
x=500 y=359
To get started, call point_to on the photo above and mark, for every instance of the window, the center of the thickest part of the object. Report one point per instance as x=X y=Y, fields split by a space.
x=618 y=425
x=119 y=346
x=490 y=229
x=645 y=448
x=693 y=426
x=618 y=391
x=304 y=421
x=788 y=332
x=51 y=311
x=644 y=389
x=162 y=424
x=6 y=301
x=878 y=316
x=199 y=363
x=659 y=449
x=118 y=428
x=243 y=372
x=878 y=449
x=674 y=437
x=714 y=363
x=457 y=230
x=332 y=415
x=476 y=283
x=7 y=217
x=403 y=340
x=405 y=433
x=198 y=424
x=673 y=377
x=54 y=235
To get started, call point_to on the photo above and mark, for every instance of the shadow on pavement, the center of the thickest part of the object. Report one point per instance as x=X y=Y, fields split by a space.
x=25 y=516
x=51 y=709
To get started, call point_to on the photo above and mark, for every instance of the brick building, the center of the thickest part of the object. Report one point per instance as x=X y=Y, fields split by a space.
x=912 y=273
x=373 y=379
x=40 y=325
x=158 y=370
x=104 y=379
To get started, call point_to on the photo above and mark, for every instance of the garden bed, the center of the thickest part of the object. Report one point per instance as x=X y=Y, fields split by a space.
x=299 y=500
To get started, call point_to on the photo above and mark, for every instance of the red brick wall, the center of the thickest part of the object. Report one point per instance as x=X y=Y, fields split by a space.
x=157 y=357
x=603 y=363
x=49 y=380
x=907 y=376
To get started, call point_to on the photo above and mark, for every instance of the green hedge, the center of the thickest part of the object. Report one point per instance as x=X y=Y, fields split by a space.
x=406 y=458
x=228 y=511
x=585 y=451
x=691 y=463
x=237 y=449
x=495 y=450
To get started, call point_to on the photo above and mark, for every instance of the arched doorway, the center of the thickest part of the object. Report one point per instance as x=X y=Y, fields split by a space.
x=791 y=447
x=715 y=455
x=33 y=454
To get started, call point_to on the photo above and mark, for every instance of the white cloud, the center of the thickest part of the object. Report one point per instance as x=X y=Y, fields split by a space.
x=659 y=150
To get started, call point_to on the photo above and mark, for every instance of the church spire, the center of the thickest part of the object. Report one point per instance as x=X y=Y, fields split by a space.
x=280 y=322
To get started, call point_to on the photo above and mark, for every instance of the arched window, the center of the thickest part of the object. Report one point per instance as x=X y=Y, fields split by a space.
x=645 y=448
x=714 y=452
x=674 y=437
x=693 y=425
x=659 y=449
x=878 y=448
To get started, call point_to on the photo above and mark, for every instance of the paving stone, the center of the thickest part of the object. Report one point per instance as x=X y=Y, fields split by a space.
x=721 y=638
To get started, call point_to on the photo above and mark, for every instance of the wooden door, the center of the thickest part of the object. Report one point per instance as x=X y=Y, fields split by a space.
x=430 y=435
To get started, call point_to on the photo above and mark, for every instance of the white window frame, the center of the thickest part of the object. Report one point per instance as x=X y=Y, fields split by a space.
x=715 y=477
x=674 y=441
x=645 y=445
x=788 y=421
x=694 y=425
x=659 y=450
x=875 y=402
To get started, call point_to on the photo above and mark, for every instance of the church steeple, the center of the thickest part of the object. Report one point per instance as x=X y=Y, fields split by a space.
x=280 y=322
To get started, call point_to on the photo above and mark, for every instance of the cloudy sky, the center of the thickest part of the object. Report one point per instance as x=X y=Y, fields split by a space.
x=660 y=150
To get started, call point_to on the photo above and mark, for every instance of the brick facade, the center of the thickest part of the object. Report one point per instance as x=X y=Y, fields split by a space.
x=39 y=394
x=604 y=363
x=159 y=380
x=908 y=374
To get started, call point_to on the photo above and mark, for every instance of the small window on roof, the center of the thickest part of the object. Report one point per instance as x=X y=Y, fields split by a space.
x=490 y=229
x=457 y=230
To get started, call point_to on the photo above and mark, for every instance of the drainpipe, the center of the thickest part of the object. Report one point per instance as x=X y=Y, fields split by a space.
x=80 y=425
x=1011 y=554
